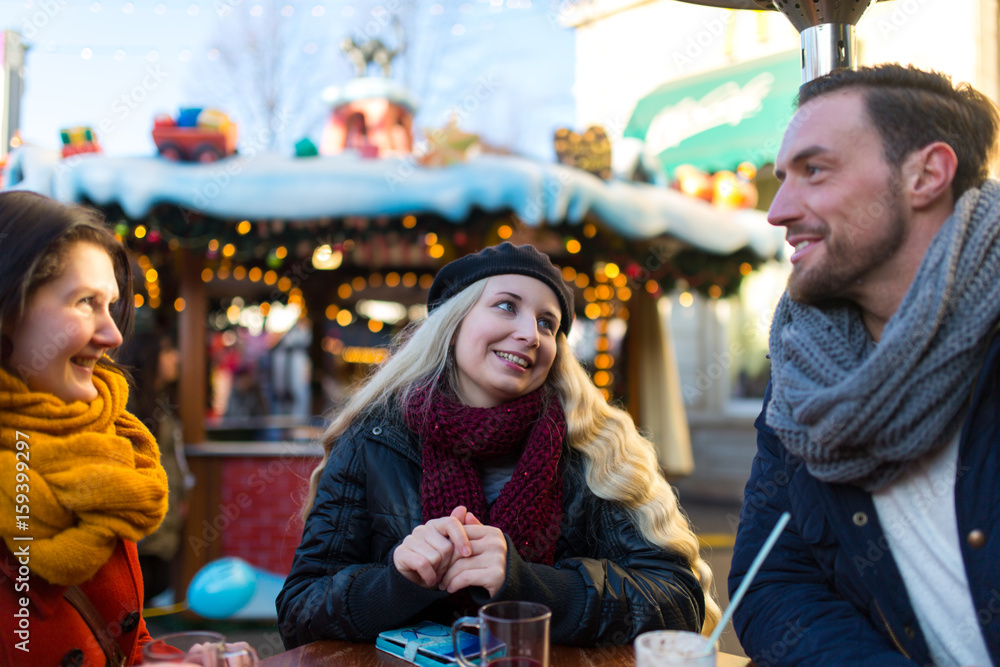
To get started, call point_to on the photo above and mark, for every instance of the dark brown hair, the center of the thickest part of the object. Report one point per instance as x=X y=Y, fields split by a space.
x=36 y=233
x=912 y=108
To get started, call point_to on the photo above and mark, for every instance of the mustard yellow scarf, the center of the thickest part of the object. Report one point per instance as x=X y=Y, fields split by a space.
x=93 y=477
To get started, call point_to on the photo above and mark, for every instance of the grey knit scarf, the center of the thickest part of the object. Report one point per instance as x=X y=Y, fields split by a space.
x=857 y=412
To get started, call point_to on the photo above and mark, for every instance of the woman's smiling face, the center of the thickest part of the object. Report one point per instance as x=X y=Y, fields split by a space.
x=506 y=345
x=67 y=326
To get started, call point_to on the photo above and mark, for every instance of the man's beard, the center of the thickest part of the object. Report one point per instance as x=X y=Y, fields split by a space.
x=846 y=262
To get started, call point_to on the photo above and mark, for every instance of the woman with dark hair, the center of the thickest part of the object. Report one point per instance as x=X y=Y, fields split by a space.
x=80 y=478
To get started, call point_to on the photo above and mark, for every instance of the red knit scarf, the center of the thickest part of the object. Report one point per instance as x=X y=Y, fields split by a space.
x=455 y=436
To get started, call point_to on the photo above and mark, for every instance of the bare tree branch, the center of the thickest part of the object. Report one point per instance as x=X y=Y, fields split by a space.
x=269 y=73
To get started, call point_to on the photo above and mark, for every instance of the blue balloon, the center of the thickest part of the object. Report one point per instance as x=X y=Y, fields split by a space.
x=222 y=588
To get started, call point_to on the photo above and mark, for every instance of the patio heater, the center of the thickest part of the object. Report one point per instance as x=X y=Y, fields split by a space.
x=825 y=26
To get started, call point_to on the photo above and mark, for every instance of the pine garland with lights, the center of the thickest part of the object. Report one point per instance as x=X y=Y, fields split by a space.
x=276 y=258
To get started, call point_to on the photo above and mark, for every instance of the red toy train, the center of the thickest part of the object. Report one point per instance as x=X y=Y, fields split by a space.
x=196 y=135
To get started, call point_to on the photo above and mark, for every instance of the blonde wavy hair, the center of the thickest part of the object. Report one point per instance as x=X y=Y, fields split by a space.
x=619 y=463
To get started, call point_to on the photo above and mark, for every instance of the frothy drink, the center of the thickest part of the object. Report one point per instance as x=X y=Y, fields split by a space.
x=673 y=648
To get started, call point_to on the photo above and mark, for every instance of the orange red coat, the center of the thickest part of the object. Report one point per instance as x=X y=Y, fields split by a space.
x=57 y=634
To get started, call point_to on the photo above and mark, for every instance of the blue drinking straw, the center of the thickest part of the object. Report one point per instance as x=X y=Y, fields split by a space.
x=751 y=573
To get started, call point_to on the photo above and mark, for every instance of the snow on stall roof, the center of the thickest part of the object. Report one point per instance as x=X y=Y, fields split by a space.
x=274 y=186
x=373 y=87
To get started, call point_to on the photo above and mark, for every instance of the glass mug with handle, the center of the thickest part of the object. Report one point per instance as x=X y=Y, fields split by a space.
x=197 y=649
x=511 y=634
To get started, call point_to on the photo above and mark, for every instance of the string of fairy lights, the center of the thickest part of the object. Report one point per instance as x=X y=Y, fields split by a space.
x=265 y=253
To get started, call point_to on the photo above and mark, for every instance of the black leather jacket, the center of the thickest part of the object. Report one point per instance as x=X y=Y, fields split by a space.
x=607 y=585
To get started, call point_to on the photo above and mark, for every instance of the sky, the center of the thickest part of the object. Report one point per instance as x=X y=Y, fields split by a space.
x=503 y=68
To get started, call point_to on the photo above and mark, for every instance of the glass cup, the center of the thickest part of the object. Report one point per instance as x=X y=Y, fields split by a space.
x=197 y=649
x=673 y=648
x=511 y=634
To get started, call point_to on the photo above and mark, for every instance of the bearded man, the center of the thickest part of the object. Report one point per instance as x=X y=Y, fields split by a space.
x=880 y=432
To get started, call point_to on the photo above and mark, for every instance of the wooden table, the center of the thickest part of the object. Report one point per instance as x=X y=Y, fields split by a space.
x=335 y=653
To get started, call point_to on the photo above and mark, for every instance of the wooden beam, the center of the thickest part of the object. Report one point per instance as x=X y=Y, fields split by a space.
x=191 y=329
x=202 y=541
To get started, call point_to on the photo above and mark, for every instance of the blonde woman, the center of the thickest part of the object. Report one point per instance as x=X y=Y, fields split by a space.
x=479 y=463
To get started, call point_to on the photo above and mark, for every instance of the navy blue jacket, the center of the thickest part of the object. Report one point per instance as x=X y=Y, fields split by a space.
x=607 y=584
x=830 y=592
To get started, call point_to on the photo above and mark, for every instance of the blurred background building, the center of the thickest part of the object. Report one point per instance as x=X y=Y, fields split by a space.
x=11 y=87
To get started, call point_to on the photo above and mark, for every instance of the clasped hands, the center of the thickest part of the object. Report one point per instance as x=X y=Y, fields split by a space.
x=454 y=552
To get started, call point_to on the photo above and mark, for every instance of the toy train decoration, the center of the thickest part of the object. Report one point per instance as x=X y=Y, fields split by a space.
x=196 y=135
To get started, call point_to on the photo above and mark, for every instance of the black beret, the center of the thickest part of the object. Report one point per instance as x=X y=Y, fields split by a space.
x=499 y=260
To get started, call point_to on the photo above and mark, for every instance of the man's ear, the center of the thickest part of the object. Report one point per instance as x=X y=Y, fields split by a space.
x=929 y=173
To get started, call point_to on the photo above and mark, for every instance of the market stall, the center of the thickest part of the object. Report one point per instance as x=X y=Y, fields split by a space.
x=286 y=277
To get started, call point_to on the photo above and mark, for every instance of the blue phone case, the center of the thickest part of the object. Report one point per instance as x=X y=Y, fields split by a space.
x=429 y=644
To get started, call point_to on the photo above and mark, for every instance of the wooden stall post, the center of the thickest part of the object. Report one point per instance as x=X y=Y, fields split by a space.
x=192 y=396
x=191 y=327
